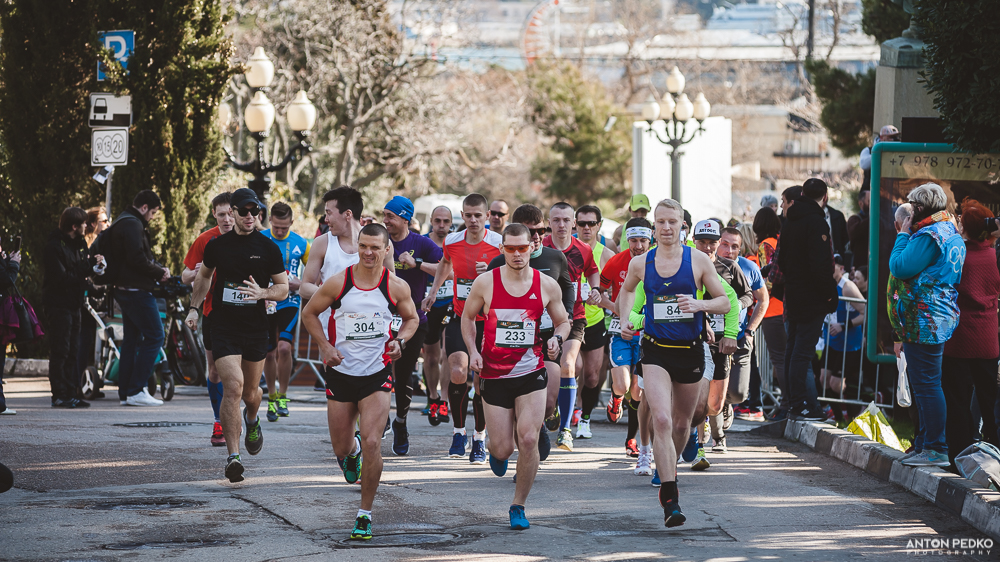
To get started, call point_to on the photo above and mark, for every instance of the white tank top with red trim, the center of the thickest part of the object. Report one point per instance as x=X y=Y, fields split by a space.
x=512 y=345
x=359 y=326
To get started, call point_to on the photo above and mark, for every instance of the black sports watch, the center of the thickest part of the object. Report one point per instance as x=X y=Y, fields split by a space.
x=420 y=262
x=402 y=343
x=558 y=337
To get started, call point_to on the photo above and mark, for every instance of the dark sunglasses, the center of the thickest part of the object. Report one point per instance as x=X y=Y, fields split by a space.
x=591 y=224
x=498 y=214
x=244 y=211
x=538 y=232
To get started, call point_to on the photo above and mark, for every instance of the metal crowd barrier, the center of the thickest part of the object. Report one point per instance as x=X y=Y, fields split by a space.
x=307 y=354
x=882 y=394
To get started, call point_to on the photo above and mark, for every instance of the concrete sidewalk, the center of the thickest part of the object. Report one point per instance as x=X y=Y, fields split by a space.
x=109 y=482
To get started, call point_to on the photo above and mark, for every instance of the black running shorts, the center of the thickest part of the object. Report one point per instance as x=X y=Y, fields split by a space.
x=503 y=392
x=576 y=332
x=684 y=364
x=722 y=364
x=206 y=332
x=436 y=323
x=453 y=341
x=250 y=345
x=346 y=388
x=595 y=337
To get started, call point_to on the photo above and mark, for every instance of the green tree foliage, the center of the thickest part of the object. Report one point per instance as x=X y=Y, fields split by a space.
x=582 y=163
x=848 y=104
x=962 y=69
x=883 y=20
x=48 y=66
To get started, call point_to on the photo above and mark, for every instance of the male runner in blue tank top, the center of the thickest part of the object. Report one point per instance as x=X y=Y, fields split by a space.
x=672 y=275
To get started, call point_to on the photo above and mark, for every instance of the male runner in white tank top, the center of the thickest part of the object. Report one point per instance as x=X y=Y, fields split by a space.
x=357 y=350
x=511 y=371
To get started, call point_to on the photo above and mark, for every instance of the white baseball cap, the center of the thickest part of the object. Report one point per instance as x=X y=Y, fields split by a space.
x=707 y=230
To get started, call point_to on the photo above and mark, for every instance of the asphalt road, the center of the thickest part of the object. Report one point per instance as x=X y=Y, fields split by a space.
x=88 y=487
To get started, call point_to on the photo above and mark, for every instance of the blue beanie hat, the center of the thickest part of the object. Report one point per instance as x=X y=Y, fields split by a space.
x=401 y=206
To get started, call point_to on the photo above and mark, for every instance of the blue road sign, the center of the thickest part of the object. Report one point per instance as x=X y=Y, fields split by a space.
x=122 y=42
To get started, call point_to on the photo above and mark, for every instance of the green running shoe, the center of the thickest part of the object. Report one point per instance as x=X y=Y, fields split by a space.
x=352 y=466
x=272 y=411
x=255 y=435
x=362 y=529
x=700 y=462
x=234 y=468
x=282 y=406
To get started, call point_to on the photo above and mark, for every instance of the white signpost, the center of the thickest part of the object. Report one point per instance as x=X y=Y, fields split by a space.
x=109 y=147
x=110 y=116
x=109 y=110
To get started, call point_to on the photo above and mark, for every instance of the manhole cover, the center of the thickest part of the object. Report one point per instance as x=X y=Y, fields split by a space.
x=184 y=543
x=143 y=505
x=402 y=539
x=159 y=424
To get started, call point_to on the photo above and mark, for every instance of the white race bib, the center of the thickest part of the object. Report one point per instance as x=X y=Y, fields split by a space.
x=546 y=323
x=515 y=334
x=232 y=296
x=364 y=326
x=576 y=290
x=446 y=291
x=616 y=326
x=718 y=322
x=666 y=310
x=585 y=291
x=396 y=324
x=462 y=288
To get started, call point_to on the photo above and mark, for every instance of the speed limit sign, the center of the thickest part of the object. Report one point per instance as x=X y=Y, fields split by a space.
x=109 y=147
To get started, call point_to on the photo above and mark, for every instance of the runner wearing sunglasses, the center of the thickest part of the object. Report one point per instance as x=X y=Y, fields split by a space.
x=498 y=215
x=512 y=375
x=243 y=259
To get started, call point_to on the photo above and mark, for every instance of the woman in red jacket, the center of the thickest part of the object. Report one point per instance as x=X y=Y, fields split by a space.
x=971 y=355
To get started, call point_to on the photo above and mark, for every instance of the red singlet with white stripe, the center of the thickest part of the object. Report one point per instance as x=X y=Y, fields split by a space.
x=512 y=345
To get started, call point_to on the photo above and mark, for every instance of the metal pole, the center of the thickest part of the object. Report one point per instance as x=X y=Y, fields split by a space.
x=675 y=174
x=107 y=196
x=812 y=29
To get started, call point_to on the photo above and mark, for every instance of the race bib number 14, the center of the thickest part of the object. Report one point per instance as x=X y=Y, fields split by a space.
x=232 y=296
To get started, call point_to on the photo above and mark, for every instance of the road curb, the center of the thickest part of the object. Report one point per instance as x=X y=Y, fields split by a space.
x=976 y=506
x=26 y=367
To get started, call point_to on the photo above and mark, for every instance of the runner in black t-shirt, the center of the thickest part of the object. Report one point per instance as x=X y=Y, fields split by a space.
x=243 y=259
x=553 y=263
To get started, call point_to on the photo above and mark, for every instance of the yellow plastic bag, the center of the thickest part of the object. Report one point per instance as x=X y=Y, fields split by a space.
x=872 y=424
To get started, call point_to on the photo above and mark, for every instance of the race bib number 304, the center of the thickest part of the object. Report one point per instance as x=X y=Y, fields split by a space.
x=232 y=296
x=462 y=288
x=666 y=310
x=515 y=334
x=364 y=326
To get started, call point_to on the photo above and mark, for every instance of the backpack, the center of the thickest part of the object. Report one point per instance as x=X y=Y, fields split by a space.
x=103 y=245
x=980 y=462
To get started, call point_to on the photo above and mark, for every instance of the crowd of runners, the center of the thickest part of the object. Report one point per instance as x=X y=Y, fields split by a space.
x=511 y=311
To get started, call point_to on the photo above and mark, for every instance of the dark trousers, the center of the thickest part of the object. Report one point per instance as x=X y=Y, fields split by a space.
x=3 y=364
x=403 y=369
x=64 y=339
x=959 y=377
x=799 y=352
x=141 y=342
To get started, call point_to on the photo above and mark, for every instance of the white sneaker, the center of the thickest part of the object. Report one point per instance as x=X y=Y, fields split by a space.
x=583 y=429
x=143 y=399
x=8 y=412
x=643 y=467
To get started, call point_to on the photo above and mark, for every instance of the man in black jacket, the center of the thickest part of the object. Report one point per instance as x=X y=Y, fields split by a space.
x=135 y=274
x=67 y=267
x=806 y=261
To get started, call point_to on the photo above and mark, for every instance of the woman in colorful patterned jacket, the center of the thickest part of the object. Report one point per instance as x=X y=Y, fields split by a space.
x=926 y=263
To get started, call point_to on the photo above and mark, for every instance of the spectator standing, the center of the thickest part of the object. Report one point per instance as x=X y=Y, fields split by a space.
x=10 y=266
x=135 y=275
x=838 y=228
x=886 y=134
x=858 y=228
x=926 y=262
x=766 y=227
x=67 y=267
x=971 y=355
x=97 y=221
x=769 y=200
x=805 y=259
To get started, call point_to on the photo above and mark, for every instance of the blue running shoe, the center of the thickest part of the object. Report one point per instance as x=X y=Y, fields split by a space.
x=691 y=449
x=400 y=438
x=478 y=453
x=672 y=515
x=656 y=478
x=458 y=443
x=518 y=521
x=497 y=466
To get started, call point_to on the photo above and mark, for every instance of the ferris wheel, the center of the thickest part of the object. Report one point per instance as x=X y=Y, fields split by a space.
x=540 y=36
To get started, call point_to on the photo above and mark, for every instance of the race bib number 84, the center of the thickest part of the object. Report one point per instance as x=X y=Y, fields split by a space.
x=666 y=310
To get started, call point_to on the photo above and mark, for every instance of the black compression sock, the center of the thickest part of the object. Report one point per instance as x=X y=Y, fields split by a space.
x=668 y=492
x=590 y=398
x=479 y=413
x=404 y=395
x=456 y=401
x=633 y=424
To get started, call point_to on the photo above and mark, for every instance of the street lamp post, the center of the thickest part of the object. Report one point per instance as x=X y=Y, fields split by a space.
x=259 y=116
x=676 y=110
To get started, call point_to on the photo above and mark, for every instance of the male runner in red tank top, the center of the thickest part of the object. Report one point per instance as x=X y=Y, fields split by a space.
x=511 y=370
